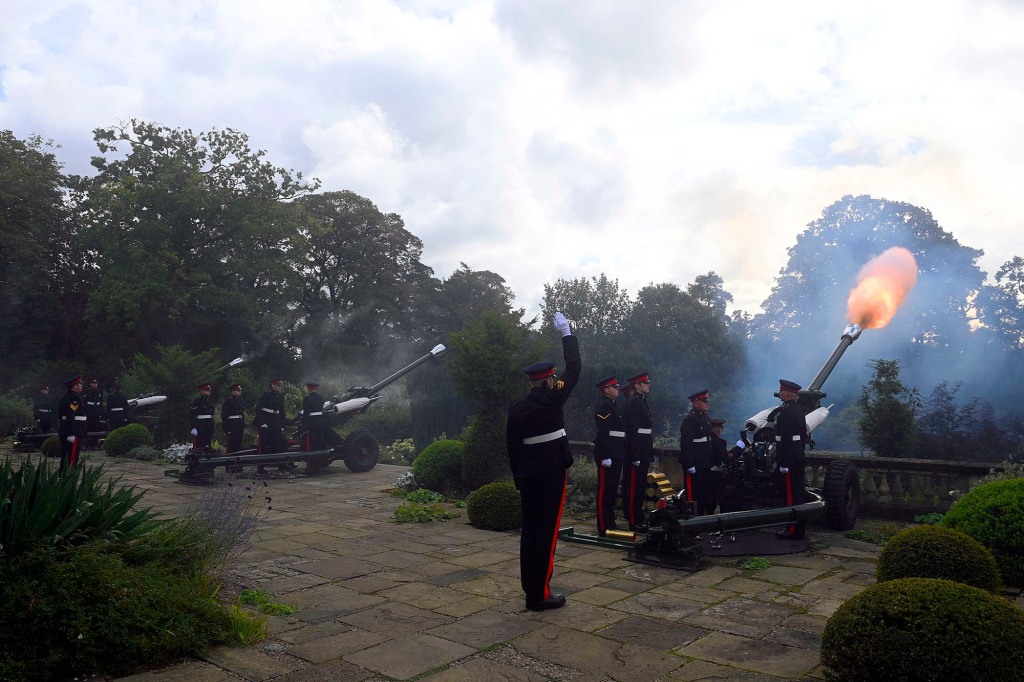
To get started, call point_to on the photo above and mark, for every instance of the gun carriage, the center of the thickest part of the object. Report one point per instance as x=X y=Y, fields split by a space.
x=30 y=438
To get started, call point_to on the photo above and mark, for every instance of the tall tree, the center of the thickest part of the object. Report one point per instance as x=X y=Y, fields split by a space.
x=888 y=411
x=359 y=270
x=191 y=236
x=40 y=276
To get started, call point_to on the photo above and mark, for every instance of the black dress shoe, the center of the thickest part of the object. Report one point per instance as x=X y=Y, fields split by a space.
x=555 y=601
x=639 y=528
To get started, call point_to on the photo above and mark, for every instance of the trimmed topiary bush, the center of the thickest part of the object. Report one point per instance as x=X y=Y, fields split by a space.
x=993 y=514
x=934 y=552
x=130 y=436
x=439 y=466
x=51 y=447
x=495 y=506
x=924 y=629
x=485 y=458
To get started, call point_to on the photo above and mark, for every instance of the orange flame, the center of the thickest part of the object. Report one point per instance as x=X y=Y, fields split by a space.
x=882 y=284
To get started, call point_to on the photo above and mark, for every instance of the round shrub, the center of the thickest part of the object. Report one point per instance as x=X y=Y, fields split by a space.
x=120 y=441
x=439 y=466
x=993 y=514
x=934 y=552
x=144 y=453
x=495 y=506
x=51 y=447
x=924 y=629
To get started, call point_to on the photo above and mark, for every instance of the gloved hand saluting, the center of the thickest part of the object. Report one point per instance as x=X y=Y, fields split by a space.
x=562 y=324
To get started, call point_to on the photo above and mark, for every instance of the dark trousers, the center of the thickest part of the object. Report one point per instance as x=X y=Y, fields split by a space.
x=271 y=439
x=543 y=497
x=607 y=488
x=705 y=491
x=314 y=438
x=69 y=452
x=634 y=491
x=203 y=437
x=795 y=492
x=233 y=440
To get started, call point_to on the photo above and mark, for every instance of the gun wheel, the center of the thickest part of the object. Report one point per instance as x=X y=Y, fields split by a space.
x=841 y=493
x=361 y=451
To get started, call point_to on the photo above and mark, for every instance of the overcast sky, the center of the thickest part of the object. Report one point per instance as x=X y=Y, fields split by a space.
x=650 y=141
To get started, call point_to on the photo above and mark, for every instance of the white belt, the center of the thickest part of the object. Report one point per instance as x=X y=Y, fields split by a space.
x=701 y=440
x=235 y=416
x=92 y=403
x=41 y=410
x=81 y=419
x=117 y=409
x=554 y=435
x=315 y=414
x=779 y=438
x=617 y=434
x=204 y=416
x=267 y=409
x=645 y=431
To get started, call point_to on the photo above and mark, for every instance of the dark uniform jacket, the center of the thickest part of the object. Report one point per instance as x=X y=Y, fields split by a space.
x=72 y=415
x=232 y=414
x=535 y=433
x=639 y=429
x=42 y=408
x=313 y=412
x=93 y=398
x=790 y=435
x=117 y=410
x=610 y=442
x=270 y=410
x=695 y=441
x=200 y=414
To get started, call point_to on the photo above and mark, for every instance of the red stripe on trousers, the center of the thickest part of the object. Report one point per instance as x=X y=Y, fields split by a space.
x=632 y=495
x=600 y=497
x=689 y=487
x=791 y=529
x=554 y=541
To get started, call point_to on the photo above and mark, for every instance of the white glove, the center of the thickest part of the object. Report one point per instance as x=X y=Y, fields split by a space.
x=263 y=426
x=636 y=463
x=606 y=463
x=740 y=444
x=195 y=432
x=562 y=324
x=71 y=439
x=783 y=470
x=691 y=470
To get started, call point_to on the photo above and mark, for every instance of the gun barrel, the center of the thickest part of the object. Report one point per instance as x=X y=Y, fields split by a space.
x=436 y=351
x=850 y=334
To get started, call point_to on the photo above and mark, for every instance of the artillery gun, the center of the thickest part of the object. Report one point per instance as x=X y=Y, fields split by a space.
x=359 y=450
x=751 y=479
x=30 y=438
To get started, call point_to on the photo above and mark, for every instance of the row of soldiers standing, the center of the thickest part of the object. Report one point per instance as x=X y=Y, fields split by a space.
x=94 y=404
x=269 y=419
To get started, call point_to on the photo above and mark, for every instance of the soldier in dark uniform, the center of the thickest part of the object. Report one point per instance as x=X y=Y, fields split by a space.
x=42 y=409
x=313 y=418
x=270 y=419
x=720 y=453
x=790 y=438
x=695 y=454
x=93 y=397
x=117 y=408
x=232 y=418
x=538 y=453
x=609 y=452
x=200 y=417
x=639 y=452
x=73 y=427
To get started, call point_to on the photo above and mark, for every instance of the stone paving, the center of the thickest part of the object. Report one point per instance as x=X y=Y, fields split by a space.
x=441 y=601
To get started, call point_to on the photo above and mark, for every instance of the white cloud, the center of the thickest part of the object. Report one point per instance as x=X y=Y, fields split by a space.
x=651 y=141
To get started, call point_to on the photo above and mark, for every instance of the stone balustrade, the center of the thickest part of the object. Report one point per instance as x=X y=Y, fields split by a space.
x=891 y=488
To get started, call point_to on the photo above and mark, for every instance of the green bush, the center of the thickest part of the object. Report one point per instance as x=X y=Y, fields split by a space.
x=41 y=506
x=119 y=441
x=14 y=413
x=422 y=495
x=51 y=447
x=400 y=452
x=144 y=453
x=495 y=506
x=87 y=611
x=924 y=629
x=439 y=466
x=581 y=494
x=387 y=424
x=418 y=512
x=934 y=552
x=485 y=458
x=993 y=514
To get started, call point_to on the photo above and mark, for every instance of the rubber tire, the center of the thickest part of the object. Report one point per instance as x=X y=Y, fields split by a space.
x=361 y=451
x=841 y=493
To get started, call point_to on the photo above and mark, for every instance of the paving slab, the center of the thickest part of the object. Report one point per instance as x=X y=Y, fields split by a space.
x=658 y=606
x=184 y=672
x=702 y=671
x=486 y=629
x=752 y=654
x=335 y=646
x=395 y=619
x=330 y=671
x=653 y=633
x=339 y=568
x=409 y=656
x=247 y=663
x=479 y=669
